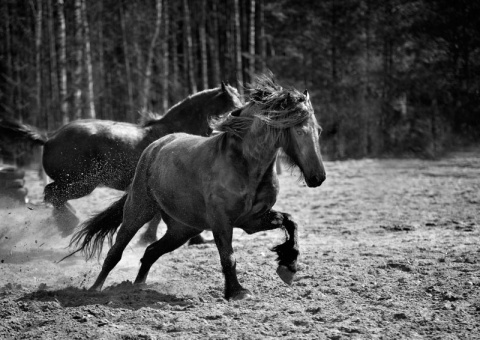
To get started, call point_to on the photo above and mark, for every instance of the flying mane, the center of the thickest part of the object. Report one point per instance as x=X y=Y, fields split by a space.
x=271 y=106
x=271 y=111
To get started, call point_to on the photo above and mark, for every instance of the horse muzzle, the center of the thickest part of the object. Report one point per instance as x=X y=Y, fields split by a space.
x=315 y=180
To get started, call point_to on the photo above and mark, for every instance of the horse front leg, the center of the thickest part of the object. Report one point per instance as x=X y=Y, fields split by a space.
x=223 y=239
x=288 y=251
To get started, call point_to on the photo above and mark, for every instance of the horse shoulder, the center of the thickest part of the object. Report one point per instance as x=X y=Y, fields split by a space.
x=266 y=194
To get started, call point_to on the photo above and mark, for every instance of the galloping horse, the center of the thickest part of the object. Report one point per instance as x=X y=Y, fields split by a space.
x=219 y=183
x=87 y=153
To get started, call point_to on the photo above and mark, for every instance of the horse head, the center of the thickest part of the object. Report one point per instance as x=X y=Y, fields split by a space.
x=289 y=114
x=303 y=146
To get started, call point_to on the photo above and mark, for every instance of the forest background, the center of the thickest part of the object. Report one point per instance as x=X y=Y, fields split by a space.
x=394 y=77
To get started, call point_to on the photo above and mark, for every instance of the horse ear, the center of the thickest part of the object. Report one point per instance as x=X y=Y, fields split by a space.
x=307 y=95
x=224 y=87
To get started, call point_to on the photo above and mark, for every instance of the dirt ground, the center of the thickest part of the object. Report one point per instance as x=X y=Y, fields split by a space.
x=389 y=250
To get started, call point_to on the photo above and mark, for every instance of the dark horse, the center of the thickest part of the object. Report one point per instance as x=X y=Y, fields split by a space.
x=87 y=153
x=219 y=183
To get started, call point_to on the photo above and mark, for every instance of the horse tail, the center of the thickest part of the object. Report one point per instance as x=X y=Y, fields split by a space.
x=90 y=238
x=21 y=133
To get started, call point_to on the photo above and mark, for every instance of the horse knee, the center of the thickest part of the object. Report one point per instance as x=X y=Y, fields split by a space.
x=52 y=195
x=288 y=220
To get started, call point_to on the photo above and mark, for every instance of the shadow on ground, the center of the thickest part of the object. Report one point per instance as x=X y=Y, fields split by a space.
x=124 y=295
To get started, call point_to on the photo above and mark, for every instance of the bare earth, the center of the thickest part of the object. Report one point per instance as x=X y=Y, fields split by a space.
x=389 y=250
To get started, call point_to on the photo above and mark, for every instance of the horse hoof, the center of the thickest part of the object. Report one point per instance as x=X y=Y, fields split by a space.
x=241 y=295
x=95 y=288
x=285 y=274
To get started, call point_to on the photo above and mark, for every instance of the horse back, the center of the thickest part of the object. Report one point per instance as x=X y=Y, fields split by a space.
x=81 y=146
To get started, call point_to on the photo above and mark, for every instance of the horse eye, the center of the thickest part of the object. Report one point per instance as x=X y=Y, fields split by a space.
x=299 y=132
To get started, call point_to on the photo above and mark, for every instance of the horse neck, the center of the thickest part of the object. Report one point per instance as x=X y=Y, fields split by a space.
x=189 y=108
x=157 y=129
x=191 y=115
x=258 y=154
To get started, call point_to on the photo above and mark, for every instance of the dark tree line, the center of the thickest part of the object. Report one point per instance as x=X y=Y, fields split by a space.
x=384 y=76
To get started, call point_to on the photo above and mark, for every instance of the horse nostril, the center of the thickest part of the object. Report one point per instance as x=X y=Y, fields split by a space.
x=317 y=180
x=320 y=178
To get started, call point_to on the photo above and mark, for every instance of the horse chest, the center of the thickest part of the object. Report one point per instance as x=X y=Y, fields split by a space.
x=255 y=203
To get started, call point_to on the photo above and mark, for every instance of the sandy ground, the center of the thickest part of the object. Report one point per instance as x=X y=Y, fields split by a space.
x=389 y=250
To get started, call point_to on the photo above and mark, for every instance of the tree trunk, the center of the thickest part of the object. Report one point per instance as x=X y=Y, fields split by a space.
x=151 y=52
x=51 y=118
x=62 y=62
x=137 y=56
x=166 y=56
x=263 y=45
x=363 y=106
x=203 y=45
x=251 y=46
x=189 y=52
x=78 y=71
x=38 y=60
x=128 y=71
x=228 y=63
x=100 y=93
x=214 y=46
x=9 y=57
x=175 y=84
x=238 y=47
x=88 y=63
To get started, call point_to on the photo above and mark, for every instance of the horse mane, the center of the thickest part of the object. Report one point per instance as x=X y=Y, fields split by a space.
x=271 y=107
x=150 y=118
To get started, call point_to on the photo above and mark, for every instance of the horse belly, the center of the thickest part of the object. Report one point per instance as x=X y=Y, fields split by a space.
x=178 y=197
x=175 y=180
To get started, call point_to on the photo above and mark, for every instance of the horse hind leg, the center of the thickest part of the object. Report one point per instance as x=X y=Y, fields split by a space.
x=135 y=215
x=150 y=235
x=54 y=193
x=58 y=193
x=177 y=235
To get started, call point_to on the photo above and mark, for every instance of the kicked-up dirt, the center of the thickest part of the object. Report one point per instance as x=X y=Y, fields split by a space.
x=389 y=250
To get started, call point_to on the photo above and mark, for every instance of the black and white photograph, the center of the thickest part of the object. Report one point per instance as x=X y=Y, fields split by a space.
x=239 y=169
